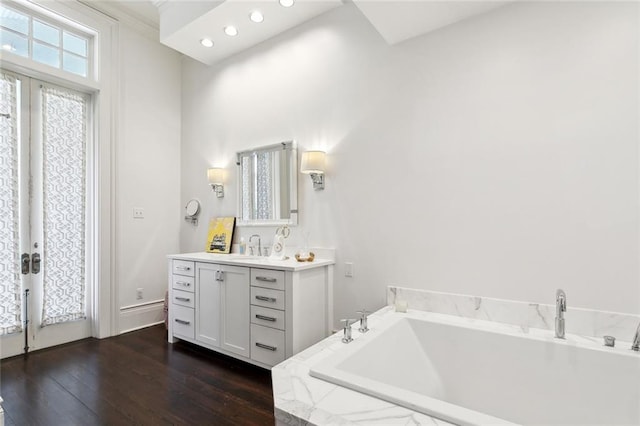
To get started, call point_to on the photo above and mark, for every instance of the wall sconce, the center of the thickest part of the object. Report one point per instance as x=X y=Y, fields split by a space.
x=313 y=165
x=216 y=178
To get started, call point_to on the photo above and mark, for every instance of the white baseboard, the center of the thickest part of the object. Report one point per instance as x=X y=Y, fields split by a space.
x=140 y=316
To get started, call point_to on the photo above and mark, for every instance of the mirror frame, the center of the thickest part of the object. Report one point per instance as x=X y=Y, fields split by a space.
x=293 y=186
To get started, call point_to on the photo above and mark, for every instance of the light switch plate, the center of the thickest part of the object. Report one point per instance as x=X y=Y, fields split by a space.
x=348 y=269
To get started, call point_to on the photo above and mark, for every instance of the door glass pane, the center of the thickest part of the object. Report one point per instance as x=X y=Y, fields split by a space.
x=46 y=55
x=64 y=162
x=14 y=43
x=13 y=20
x=46 y=33
x=74 y=64
x=74 y=44
x=10 y=292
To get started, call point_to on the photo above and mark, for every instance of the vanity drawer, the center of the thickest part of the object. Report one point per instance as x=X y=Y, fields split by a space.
x=184 y=267
x=180 y=282
x=267 y=345
x=182 y=298
x=267 y=297
x=267 y=278
x=183 y=321
x=268 y=317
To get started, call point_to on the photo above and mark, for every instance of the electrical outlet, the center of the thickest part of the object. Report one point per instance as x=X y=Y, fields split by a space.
x=138 y=213
x=348 y=269
x=139 y=295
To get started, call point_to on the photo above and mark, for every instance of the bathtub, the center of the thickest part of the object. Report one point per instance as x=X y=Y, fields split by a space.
x=475 y=373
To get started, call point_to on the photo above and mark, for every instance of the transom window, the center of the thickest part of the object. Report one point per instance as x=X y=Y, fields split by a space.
x=44 y=41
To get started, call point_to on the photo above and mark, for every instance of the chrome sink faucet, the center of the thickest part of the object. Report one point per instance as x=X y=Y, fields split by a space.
x=636 y=340
x=259 y=246
x=561 y=308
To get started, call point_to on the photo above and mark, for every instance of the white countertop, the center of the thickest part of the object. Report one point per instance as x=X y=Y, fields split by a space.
x=290 y=264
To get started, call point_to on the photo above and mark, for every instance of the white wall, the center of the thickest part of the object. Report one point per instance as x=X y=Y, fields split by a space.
x=496 y=157
x=147 y=175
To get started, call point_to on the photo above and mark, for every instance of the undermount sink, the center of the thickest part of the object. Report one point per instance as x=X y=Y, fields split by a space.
x=237 y=256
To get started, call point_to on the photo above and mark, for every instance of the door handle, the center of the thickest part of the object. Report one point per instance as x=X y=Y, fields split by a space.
x=25 y=261
x=35 y=263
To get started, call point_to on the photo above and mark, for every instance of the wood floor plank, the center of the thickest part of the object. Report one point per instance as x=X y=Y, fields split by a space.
x=136 y=378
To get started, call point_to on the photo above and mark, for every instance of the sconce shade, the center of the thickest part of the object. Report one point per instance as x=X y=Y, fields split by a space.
x=216 y=180
x=215 y=176
x=312 y=162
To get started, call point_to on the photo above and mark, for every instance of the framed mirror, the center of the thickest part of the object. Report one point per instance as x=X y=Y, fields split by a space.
x=268 y=185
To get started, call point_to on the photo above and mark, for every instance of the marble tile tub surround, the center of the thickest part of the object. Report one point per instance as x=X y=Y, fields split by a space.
x=584 y=322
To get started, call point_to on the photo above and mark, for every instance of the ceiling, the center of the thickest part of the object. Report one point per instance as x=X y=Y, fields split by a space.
x=183 y=26
x=183 y=23
x=397 y=21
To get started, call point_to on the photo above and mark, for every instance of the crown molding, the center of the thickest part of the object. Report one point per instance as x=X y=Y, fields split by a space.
x=123 y=15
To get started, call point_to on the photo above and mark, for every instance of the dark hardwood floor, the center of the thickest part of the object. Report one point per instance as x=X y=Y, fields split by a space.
x=135 y=378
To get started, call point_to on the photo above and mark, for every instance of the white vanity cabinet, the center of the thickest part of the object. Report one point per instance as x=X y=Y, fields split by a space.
x=256 y=310
x=221 y=314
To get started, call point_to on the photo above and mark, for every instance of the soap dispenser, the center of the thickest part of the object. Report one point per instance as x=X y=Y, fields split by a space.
x=277 y=251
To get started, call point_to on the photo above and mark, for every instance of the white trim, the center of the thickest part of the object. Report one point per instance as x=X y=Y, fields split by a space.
x=114 y=11
x=107 y=324
x=137 y=317
x=140 y=305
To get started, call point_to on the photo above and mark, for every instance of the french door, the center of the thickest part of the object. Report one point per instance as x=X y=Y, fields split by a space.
x=45 y=133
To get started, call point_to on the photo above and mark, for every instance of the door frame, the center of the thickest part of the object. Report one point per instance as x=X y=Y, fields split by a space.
x=103 y=205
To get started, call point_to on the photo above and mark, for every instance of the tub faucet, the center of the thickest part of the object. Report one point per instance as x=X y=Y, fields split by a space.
x=259 y=248
x=636 y=340
x=363 y=321
x=347 y=330
x=561 y=308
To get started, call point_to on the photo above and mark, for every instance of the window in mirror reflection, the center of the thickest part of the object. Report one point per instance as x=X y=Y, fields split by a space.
x=266 y=176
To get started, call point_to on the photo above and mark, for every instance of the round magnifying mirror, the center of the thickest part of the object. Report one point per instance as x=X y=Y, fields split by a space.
x=192 y=208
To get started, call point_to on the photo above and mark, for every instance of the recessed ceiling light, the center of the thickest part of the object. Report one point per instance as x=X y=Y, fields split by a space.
x=256 y=16
x=206 y=42
x=230 y=30
x=286 y=3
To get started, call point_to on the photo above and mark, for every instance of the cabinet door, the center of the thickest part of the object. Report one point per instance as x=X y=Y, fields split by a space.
x=208 y=302
x=236 y=315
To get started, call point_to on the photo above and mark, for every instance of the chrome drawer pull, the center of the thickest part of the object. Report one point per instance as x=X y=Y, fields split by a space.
x=262 y=317
x=266 y=299
x=183 y=268
x=271 y=348
x=179 y=321
x=183 y=299
x=183 y=283
x=267 y=279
